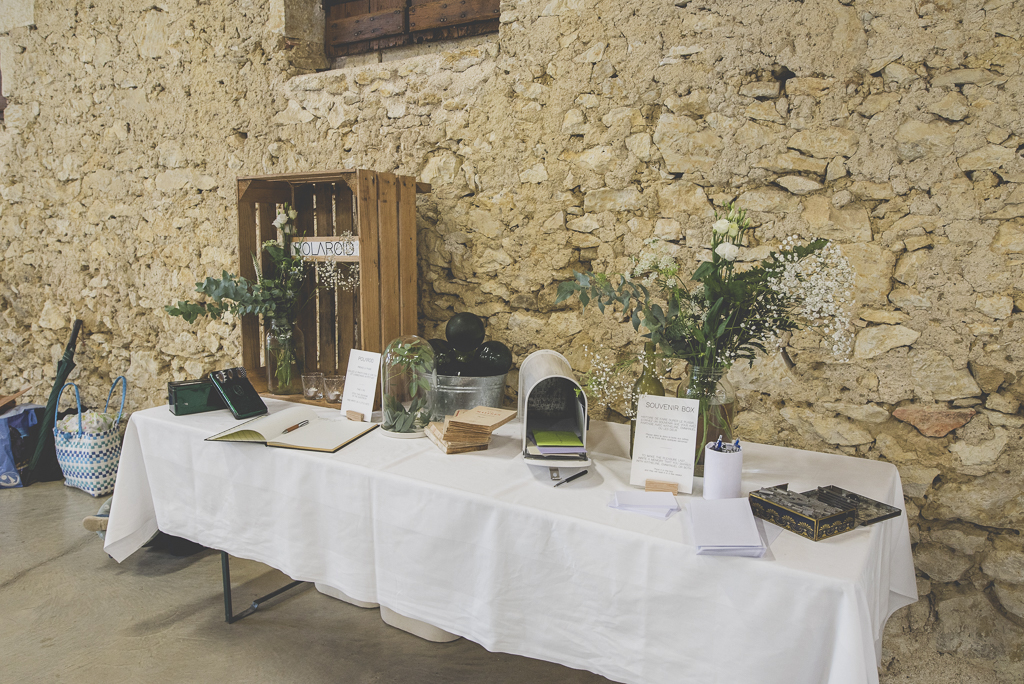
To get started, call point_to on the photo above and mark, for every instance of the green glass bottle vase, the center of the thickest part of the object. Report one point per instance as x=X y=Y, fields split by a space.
x=709 y=386
x=648 y=383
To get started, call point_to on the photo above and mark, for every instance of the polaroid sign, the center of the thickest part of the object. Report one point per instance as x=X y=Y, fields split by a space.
x=327 y=249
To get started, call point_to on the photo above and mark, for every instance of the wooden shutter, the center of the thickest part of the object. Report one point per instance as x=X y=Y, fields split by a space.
x=366 y=25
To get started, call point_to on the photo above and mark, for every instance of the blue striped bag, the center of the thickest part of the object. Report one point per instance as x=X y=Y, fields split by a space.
x=89 y=459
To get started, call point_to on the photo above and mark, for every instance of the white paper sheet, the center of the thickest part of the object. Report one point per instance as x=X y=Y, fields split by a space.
x=660 y=505
x=666 y=432
x=361 y=382
x=725 y=527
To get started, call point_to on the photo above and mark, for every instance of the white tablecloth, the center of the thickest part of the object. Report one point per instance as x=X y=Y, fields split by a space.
x=483 y=546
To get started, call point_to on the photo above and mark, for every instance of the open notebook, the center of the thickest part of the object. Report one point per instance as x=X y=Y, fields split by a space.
x=317 y=434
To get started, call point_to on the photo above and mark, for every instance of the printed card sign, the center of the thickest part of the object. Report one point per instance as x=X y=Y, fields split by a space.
x=327 y=249
x=361 y=382
x=666 y=435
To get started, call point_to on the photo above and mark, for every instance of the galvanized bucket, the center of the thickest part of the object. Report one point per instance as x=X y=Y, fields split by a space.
x=454 y=392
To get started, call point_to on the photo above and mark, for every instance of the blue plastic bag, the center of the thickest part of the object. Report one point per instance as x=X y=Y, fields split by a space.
x=20 y=418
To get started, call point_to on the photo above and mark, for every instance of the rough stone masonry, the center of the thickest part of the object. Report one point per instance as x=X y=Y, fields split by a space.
x=582 y=128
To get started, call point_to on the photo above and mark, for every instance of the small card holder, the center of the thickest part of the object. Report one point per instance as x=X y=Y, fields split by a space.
x=238 y=393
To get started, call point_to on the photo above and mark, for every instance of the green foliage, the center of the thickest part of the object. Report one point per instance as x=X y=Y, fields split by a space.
x=276 y=296
x=717 y=315
x=414 y=361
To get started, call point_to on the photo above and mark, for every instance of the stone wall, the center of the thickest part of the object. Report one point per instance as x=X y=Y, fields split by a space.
x=580 y=130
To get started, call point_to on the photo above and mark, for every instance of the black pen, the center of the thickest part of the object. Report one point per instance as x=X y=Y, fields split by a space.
x=295 y=427
x=570 y=479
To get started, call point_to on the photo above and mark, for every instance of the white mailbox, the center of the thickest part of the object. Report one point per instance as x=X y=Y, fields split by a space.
x=550 y=398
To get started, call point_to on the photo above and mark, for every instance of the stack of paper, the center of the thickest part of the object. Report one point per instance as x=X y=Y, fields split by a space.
x=555 y=445
x=468 y=430
x=725 y=527
x=659 y=505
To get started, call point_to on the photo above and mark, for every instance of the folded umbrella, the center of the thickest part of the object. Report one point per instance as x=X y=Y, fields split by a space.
x=43 y=466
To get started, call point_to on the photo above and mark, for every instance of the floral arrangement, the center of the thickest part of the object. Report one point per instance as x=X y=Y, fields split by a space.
x=610 y=381
x=724 y=312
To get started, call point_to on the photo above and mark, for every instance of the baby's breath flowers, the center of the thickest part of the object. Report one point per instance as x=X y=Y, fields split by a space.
x=609 y=380
x=721 y=313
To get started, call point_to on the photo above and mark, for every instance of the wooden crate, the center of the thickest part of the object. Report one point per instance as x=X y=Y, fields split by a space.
x=379 y=208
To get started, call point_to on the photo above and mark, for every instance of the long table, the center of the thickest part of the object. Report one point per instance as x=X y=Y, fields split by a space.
x=482 y=545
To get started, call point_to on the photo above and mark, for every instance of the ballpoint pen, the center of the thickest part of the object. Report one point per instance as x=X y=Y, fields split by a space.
x=570 y=479
x=295 y=427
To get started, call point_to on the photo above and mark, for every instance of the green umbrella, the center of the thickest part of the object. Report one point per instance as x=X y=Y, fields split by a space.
x=43 y=466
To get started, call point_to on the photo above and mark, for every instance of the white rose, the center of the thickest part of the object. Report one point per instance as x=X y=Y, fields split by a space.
x=292 y=214
x=727 y=251
x=720 y=226
x=280 y=220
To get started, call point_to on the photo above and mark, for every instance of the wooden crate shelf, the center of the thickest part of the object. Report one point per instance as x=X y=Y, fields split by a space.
x=379 y=208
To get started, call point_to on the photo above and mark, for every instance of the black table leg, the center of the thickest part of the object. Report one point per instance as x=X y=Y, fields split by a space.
x=229 y=617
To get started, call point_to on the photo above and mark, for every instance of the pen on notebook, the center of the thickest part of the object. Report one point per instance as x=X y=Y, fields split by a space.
x=570 y=479
x=295 y=427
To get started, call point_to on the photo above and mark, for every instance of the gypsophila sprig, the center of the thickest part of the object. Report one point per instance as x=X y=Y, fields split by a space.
x=609 y=380
x=721 y=314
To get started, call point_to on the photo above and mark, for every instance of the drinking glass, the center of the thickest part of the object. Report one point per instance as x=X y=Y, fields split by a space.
x=334 y=387
x=313 y=386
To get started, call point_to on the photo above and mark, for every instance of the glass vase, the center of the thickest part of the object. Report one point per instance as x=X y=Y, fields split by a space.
x=285 y=358
x=717 y=397
x=407 y=384
x=648 y=384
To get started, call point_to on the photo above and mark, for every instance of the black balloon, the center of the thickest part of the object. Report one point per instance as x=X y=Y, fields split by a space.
x=493 y=358
x=465 y=331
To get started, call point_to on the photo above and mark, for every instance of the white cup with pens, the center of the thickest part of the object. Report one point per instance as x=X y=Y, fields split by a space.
x=723 y=470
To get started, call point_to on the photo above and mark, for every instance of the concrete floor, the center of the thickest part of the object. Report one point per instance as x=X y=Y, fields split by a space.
x=68 y=613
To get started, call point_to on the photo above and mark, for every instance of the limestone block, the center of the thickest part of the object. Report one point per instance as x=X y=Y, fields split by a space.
x=934 y=376
x=574 y=123
x=170 y=154
x=813 y=87
x=826 y=143
x=682 y=199
x=874 y=341
x=491 y=261
x=441 y=169
x=793 y=162
x=1005 y=561
x=909 y=267
x=831 y=429
x=694 y=104
x=934 y=422
x=798 y=185
x=865 y=413
x=607 y=199
x=880 y=316
x=952 y=106
x=760 y=89
x=154 y=36
x=16 y=13
x=294 y=114
x=598 y=159
x=640 y=145
x=989 y=500
x=917 y=480
x=941 y=563
x=980 y=459
x=915 y=243
x=909 y=298
x=990 y=378
x=849 y=223
x=866 y=190
x=594 y=53
x=999 y=306
x=769 y=200
x=753 y=136
x=668 y=229
x=970 y=626
x=1002 y=403
x=631 y=115
x=558 y=7
x=879 y=102
x=894 y=72
x=968 y=542
x=764 y=111
x=51 y=317
x=587 y=223
x=1009 y=239
x=170 y=181
x=534 y=174
x=916 y=139
x=962 y=76
x=987 y=157
x=1010 y=597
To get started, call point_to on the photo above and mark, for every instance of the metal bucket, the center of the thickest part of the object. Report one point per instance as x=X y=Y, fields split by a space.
x=454 y=392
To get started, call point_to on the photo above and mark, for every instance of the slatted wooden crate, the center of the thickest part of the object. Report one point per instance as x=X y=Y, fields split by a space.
x=379 y=208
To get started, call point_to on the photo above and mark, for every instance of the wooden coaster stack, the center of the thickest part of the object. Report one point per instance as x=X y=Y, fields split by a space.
x=468 y=430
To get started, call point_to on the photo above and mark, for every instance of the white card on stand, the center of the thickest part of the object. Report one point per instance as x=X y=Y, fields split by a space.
x=666 y=434
x=361 y=382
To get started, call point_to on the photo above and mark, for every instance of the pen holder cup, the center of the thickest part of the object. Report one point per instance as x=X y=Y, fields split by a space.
x=723 y=471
